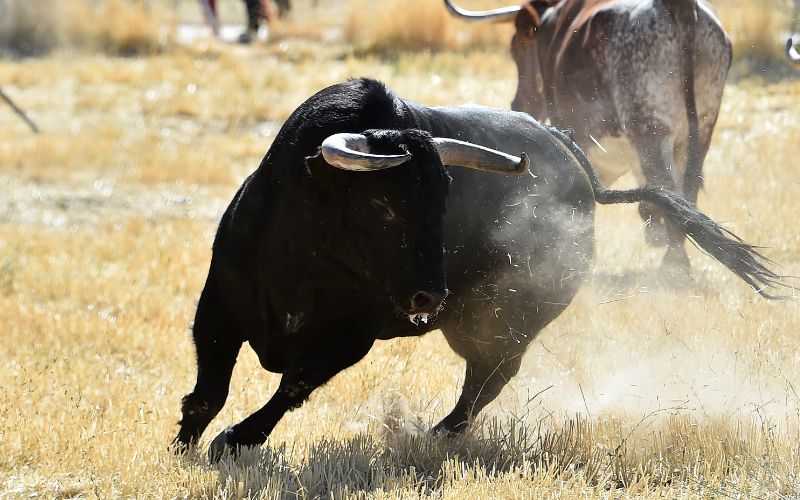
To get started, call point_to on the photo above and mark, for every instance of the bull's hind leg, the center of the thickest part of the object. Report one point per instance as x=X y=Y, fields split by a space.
x=494 y=326
x=216 y=355
x=310 y=371
x=483 y=381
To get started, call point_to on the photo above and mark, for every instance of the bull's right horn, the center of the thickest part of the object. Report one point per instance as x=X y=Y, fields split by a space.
x=791 y=49
x=466 y=154
x=351 y=152
x=501 y=15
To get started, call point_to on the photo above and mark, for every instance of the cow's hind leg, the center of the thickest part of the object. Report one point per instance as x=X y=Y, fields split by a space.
x=655 y=150
x=484 y=379
x=217 y=350
x=310 y=371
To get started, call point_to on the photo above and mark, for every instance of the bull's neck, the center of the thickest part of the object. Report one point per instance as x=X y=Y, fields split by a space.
x=436 y=120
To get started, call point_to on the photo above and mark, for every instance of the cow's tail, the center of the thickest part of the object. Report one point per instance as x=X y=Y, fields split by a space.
x=684 y=13
x=740 y=257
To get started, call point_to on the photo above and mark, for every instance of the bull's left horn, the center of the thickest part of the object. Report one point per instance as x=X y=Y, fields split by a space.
x=791 y=49
x=466 y=154
x=351 y=152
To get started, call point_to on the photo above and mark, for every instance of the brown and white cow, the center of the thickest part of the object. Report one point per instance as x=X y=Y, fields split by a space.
x=611 y=68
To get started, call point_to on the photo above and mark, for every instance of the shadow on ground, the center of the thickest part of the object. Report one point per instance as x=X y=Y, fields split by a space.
x=364 y=464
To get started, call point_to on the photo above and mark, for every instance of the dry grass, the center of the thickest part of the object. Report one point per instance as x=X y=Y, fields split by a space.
x=107 y=220
x=116 y=27
x=757 y=29
x=28 y=27
x=416 y=25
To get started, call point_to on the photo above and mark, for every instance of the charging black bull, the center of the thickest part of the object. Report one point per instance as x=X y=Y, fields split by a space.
x=352 y=230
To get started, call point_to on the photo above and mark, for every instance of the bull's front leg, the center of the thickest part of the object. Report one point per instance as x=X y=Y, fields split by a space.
x=311 y=370
x=217 y=348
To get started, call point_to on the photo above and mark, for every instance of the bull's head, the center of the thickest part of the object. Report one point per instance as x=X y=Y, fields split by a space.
x=392 y=226
x=527 y=18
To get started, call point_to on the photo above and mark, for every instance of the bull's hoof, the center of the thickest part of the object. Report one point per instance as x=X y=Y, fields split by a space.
x=179 y=447
x=222 y=443
x=445 y=430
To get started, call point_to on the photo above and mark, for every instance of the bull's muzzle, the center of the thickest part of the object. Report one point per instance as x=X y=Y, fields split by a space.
x=424 y=304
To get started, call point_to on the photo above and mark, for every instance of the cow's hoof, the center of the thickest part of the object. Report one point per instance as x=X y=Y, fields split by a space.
x=221 y=443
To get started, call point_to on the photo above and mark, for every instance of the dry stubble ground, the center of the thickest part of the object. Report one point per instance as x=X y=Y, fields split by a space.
x=107 y=220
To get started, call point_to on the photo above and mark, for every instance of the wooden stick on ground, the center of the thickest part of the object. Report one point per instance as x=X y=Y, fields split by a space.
x=19 y=111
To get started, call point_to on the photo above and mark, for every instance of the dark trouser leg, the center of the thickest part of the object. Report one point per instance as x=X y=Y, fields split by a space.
x=254 y=14
x=483 y=381
x=217 y=350
x=297 y=384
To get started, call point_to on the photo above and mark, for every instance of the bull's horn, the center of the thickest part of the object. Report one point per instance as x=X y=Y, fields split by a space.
x=501 y=15
x=465 y=154
x=791 y=49
x=351 y=152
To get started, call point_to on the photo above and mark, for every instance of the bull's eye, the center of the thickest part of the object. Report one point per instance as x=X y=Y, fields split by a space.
x=383 y=206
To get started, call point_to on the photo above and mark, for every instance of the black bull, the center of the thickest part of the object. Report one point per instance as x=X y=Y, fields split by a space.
x=312 y=264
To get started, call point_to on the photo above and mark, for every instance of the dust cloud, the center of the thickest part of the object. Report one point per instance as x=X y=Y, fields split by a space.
x=632 y=344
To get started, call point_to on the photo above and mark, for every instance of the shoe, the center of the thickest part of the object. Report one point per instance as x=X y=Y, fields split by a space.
x=248 y=36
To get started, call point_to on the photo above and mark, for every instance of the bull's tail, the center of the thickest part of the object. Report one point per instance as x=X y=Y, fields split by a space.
x=740 y=257
x=684 y=13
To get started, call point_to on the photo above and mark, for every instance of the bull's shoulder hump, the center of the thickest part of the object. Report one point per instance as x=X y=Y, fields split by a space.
x=496 y=115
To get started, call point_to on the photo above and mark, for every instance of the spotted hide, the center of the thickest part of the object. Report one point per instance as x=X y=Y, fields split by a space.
x=649 y=71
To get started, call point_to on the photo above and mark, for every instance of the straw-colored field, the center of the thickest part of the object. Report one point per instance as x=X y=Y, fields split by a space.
x=106 y=223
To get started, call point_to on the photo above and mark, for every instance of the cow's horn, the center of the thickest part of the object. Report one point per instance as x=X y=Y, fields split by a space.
x=466 y=154
x=501 y=15
x=351 y=152
x=791 y=49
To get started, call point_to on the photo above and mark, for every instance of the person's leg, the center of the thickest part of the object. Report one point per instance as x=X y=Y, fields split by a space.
x=254 y=15
x=209 y=8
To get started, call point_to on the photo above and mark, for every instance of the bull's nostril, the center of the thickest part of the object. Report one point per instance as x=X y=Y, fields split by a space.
x=425 y=302
x=421 y=300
